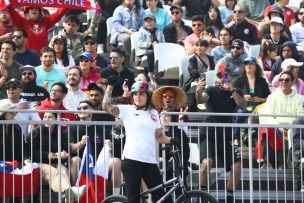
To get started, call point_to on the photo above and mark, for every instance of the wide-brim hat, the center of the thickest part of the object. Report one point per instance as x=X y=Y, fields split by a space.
x=180 y=97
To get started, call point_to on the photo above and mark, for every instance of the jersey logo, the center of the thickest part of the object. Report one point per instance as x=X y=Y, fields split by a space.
x=153 y=117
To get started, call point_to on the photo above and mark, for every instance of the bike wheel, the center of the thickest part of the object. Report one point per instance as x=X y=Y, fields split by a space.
x=115 y=198
x=196 y=196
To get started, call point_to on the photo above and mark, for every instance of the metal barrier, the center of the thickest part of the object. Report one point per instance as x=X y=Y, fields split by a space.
x=278 y=178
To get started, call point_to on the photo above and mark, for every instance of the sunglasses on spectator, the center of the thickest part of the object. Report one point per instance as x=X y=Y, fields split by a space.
x=114 y=57
x=197 y=25
x=168 y=95
x=238 y=11
x=12 y=86
x=175 y=12
x=27 y=73
x=286 y=80
x=55 y=91
x=236 y=47
x=17 y=36
x=89 y=42
x=83 y=60
x=301 y=13
x=82 y=108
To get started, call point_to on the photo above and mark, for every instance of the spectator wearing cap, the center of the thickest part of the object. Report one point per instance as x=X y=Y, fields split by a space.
x=88 y=70
x=198 y=27
x=254 y=87
x=149 y=36
x=176 y=32
x=47 y=73
x=6 y=25
x=8 y=67
x=294 y=67
x=297 y=30
x=117 y=73
x=90 y=45
x=75 y=95
x=63 y=60
x=161 y=15
x=241 y=28
x=225 y=45
x=35 y=24
x=216 y=141
x=13 y=91
x=31 y=92
x=235 y=60
x=275 y=36
x=23 y=55
x=73 y=37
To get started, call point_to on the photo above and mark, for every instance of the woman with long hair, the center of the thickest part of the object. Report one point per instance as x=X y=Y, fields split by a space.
x=162 y=16
x=214 y=20
x=63 y=60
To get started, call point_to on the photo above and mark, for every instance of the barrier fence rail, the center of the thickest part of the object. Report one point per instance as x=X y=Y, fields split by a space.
x=272 y=172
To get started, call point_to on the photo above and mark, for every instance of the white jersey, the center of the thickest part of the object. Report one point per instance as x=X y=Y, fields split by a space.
x=297 y=33
x=140 y=133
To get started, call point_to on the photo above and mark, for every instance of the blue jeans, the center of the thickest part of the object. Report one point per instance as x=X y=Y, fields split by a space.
x=150 y=60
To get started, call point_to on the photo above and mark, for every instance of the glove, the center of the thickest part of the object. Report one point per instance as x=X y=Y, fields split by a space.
x=174 y=142
x=112 y=80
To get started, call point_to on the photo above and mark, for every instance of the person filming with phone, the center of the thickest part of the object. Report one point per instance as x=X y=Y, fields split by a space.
x=221 y=98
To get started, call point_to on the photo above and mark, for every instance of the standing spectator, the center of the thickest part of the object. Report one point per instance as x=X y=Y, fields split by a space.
x=35 y=24
x=227 y=11
x=23 y=55
x=8 y=67
x=214 y=20
x=225 y=40
x=63 y=60
x=241 y=28
x=149 y=36
x=255 y=9
x=198 y=27
x=88 y=70
x=31 y=92
x=161 y=15
x=118 y=72
x=275 y=36
x=216 y=142
x=75 y=95
x=6 y=25
x=177 y=31
x=297 y=30
x=47 y=74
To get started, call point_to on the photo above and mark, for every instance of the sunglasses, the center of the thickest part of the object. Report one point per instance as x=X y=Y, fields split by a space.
x=27 y=73
x=301 y=13
x=89 y=42
x=55 y=91
x=168 y=95
x=175 y=12
x=286 y=80
x=236 y=47
x=11 y=87
x=238 y=11
x=114 y=57
x=83 y=60
x=17 y=36
x=82 y=108
x=197 y=25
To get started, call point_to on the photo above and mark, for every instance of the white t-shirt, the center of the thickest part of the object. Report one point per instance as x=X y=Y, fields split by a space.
x=140 y=133
x=297 y=33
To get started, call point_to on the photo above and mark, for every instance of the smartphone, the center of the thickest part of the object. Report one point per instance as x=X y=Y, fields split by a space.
x=203 y=76
x=225 y=79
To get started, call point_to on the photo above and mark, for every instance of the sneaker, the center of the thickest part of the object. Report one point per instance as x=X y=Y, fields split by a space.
x=78 y=191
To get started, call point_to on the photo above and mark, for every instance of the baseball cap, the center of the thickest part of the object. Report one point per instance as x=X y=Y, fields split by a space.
x=90 y=36
x=251 y=60
x=237 y=43
x=176 y=7
x=27 y=67
x=60 y=38
x=86 y=55
x=13 y=83
x=149 y=16
x=290 y=62
x=276 y=20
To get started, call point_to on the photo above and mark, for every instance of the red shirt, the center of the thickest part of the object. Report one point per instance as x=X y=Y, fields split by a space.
x=287 y=12
x=37 y=33
x=5 y=29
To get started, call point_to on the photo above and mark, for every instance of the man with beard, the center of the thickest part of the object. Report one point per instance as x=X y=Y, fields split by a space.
x=297 y=30
x=75 y=94
x=6 y=25
x=8 y=67
x=23 y=55
x=47 y=74
x=30 y=91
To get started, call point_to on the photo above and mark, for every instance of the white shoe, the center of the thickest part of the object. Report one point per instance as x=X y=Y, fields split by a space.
x=78 y=191
x=69 y=196
x=100 y=49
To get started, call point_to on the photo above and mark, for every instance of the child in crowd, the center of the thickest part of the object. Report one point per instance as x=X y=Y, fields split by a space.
x=209 y=35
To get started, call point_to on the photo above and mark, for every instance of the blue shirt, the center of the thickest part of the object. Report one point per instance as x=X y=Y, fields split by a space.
x=162 y=17
x=218 y=53
x=29 y=57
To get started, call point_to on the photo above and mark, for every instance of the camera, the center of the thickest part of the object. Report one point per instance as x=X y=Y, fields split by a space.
x=202 y=76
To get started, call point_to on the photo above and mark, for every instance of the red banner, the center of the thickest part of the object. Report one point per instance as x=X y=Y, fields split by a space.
x=73 y=4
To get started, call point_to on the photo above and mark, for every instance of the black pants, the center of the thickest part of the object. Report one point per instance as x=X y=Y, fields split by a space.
x=133 y=171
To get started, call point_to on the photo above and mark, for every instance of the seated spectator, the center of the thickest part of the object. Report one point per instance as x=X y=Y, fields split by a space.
x=96 y=134
x=213 y=20
x=11 y=136
x=227 y=11
x=35 y=24
x=73 y=37
x=31 y=92
x=63 y=60
x=149 y=36
x=254 y=88
x=6 y=25
x=224 y=47
x=23 y=55
x=275 y=36
x=88 y=70
x=268 y=56
x=297 y=30
x=292 y=66
x=90 y=45
x=127 y=18
x=208 y=34
x=43 y=148
x=173 y=99
x=161 y=15
x=197 y=27
x=241 y=28
x=47 y=73
x=177 y=31
x=285 y=100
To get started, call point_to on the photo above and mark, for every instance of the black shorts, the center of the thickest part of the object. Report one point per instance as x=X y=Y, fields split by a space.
x=219 y=144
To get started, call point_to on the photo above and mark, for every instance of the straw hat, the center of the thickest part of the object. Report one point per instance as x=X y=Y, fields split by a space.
x=180 y=97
